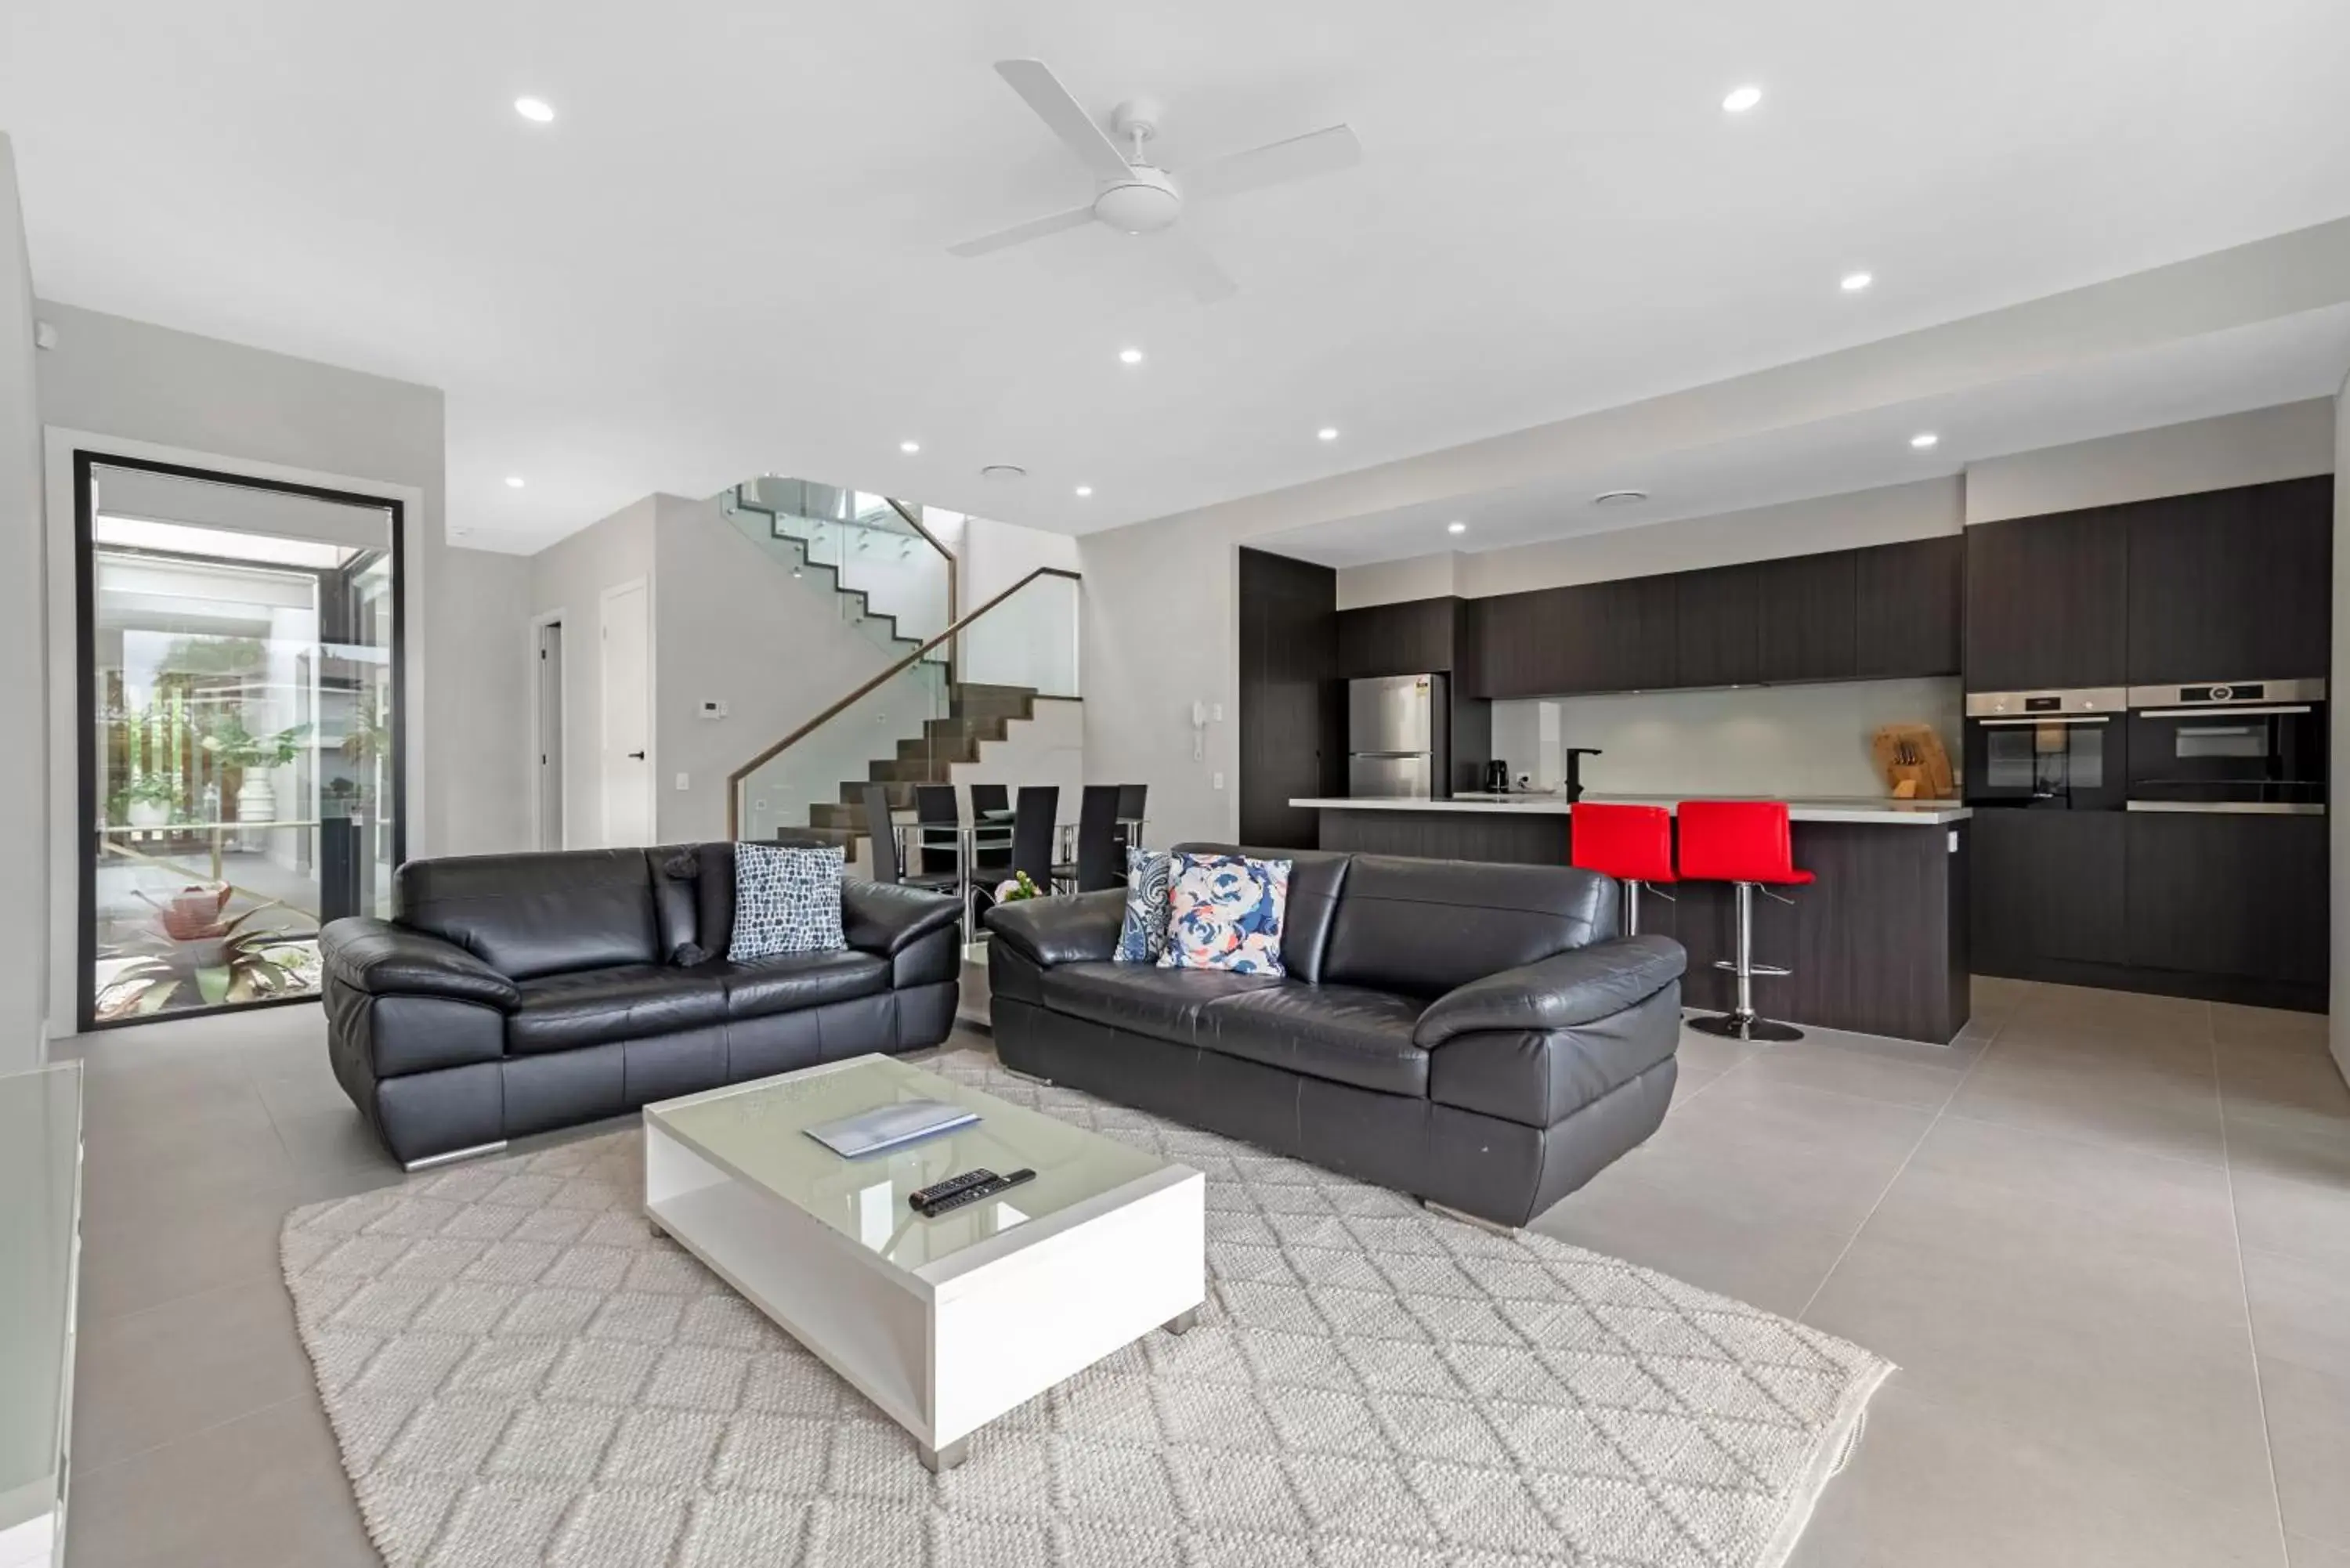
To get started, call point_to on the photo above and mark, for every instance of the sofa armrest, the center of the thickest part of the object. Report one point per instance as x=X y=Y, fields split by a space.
x=885 y=917
x=1075 y=928
x=1576 y=987
x=380 y=959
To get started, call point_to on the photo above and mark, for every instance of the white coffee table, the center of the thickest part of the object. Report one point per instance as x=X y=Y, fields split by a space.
x=944 y=1323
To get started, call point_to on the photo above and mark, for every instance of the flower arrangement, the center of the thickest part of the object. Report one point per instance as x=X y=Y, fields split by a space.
x=1018 y=888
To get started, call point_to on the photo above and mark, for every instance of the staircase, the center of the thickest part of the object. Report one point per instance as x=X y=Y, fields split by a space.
x=976 y=714
x=825 y=534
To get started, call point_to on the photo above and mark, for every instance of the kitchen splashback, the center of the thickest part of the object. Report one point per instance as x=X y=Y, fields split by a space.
x=1767 y=740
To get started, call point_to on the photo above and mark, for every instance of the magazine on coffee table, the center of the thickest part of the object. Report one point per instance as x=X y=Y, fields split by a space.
x=886 y=1126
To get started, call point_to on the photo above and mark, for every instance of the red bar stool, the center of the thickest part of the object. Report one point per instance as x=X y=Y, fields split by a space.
x=1633 y=844
x=1747 y=842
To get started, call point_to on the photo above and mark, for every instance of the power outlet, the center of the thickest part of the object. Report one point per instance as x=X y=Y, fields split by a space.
x=684 y=782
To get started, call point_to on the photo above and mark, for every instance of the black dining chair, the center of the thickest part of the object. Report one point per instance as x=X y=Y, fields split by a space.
x=1033 y=830
x=990 y=830
x=1130 y=798
x=938 y=833
x=882 y=832
x=1099 y=864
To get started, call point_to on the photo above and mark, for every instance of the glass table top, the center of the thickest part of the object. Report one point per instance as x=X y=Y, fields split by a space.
x=757 y=1131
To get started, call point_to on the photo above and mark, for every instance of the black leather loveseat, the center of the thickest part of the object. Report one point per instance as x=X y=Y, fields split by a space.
x=1476 y=1035
x=513 y=993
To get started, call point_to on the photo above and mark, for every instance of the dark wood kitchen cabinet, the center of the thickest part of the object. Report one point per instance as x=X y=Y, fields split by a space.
x=2048 y=601
x=1292 y=714
x=1623 y=635
x=1906 y=608
x=1511 y=634
x=2241 y=897
x=1804 y=616
x=2048 y=886
x=1716 y=613
x=2232 y=585
x=1414 y=636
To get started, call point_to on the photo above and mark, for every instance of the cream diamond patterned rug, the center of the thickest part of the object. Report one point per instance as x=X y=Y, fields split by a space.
x=519 y=1372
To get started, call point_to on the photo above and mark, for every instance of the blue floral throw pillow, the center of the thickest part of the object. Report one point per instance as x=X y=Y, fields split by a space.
x=1143 y=938
x=786 y=900
x=1224 y=912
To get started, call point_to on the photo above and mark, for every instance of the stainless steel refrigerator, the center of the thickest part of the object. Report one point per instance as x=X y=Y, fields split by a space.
x=1397 y=738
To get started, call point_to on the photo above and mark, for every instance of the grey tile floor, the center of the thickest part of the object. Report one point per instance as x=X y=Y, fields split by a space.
x=2107 y=1237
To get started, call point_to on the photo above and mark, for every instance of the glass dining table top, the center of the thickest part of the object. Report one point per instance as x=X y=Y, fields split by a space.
x=758 y=1133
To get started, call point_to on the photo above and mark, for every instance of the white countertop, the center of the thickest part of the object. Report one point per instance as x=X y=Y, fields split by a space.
x=1850 y=808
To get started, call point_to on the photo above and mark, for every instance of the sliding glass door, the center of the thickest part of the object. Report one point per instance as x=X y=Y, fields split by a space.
x=239 y=708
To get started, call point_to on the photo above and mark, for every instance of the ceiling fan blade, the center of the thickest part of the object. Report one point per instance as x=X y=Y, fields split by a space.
x=1324 y=151
x=1209 y=282
x=1034 y=80
x=1021 y=233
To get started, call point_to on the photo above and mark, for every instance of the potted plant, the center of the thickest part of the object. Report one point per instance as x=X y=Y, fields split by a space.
x=254 y=756
x=190 y=955
x=150 y=799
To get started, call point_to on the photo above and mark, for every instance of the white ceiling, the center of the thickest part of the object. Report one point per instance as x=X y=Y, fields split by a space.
x=2280 y=362
x=726 y=255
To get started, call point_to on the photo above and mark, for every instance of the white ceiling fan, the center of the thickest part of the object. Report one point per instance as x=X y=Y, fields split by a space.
x=1139 y=197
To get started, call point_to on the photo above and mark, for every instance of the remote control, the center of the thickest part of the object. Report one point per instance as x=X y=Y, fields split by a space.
x=923 y=1201
x=989 y=1187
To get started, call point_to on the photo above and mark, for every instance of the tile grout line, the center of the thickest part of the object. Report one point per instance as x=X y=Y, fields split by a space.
x=1940 y=1111
x=2245 y=1284
x=189 y=1437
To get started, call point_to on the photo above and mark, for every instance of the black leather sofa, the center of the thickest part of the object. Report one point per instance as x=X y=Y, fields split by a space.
x=515 y=993
x=1476 y=1035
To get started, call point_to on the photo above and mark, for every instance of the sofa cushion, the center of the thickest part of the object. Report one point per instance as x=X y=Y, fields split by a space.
x=1316 y=880
x=535 y=914
x=786 y=900
x=1224 y=912
x=1346 y=1033
x=1428 y=927
x=789 y=982
x=1163 y=1003
x=624 y=1001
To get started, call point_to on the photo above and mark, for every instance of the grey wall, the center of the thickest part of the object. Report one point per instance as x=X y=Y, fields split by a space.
x=131 y=381
x=23 y=778
x=731 y=623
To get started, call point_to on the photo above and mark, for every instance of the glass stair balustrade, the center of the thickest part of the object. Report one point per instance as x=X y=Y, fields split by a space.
x=912 y=724
x=886 y=576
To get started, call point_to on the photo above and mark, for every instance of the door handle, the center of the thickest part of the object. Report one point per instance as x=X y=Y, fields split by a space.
x=636 y=756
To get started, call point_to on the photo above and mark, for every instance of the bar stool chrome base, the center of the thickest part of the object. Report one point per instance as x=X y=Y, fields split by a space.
x=1730 y=1026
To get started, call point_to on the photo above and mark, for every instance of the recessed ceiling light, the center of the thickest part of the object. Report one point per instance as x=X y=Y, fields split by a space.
x=1129 y=356
x=910 y=447
x=1924 y=440
x=1327 y=433
x=536 y=110
x=1853 y=282
x=1085 y=490
x=1618 y=497
x=1456 y=527
x=1743 y=98
x=513 y=482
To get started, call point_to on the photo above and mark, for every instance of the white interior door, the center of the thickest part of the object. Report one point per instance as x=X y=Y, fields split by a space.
x=550 y=736
x=625 y=654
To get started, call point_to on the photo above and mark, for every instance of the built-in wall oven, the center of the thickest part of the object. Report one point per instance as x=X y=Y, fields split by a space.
x=2048 y=750
x=2229 y=746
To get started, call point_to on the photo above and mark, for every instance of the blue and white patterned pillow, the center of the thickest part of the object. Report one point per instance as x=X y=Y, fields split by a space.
x=1226 y=913
x=786 y=900
x=1143 y=937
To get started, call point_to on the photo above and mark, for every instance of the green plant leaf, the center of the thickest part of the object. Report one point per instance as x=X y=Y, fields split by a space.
x=214 y=985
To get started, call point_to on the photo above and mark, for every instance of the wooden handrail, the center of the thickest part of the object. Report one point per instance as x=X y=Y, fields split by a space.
x=734 y=780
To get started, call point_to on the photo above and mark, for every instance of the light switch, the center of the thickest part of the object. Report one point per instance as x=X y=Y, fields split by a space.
x=1217 y=713
x=685 y=781
x=1220 y=780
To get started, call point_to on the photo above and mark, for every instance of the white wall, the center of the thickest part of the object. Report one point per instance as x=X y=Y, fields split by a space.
x=1810 y=741
x=570 y=578
x=731 y=623
x=483 y=708
x=1031 y=641
x=25 y=913
x=1880 y=516
x=2339 y=830
x=2292 y=441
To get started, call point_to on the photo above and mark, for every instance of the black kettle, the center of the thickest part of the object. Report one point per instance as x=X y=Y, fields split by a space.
x=1497 y=778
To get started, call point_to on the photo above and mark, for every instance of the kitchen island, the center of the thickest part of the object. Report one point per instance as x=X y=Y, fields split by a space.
x=1879 y=943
